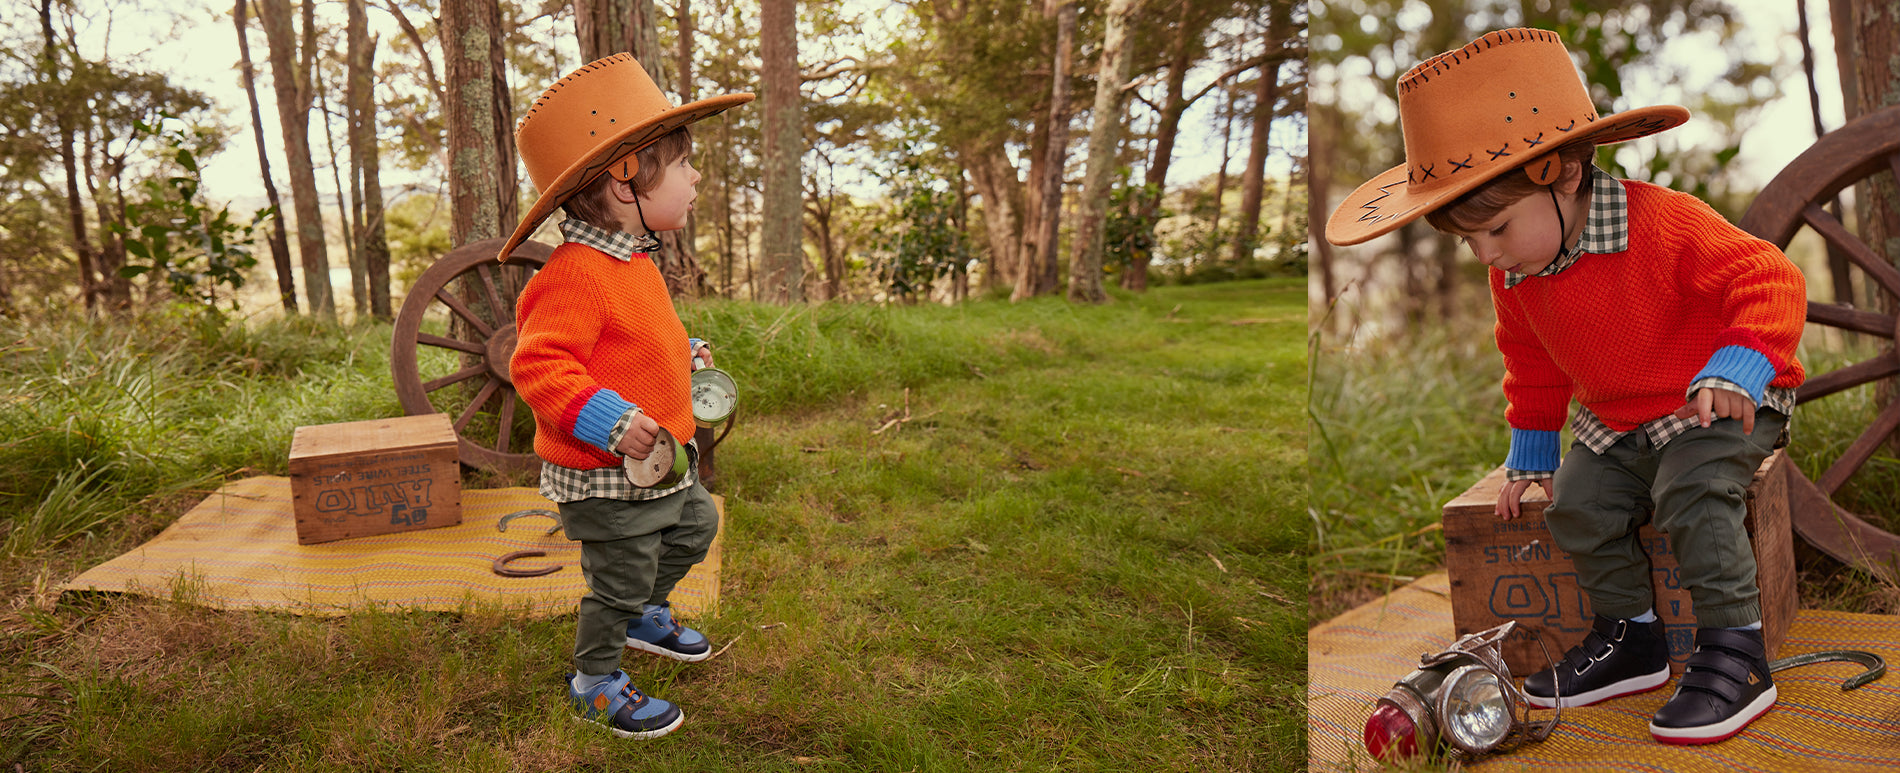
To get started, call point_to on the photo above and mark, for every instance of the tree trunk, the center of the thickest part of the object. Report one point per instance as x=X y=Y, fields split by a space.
x=279 y=248
x=350 y=209
x=1836 y=259
x=1266 y=94
x=1085 y=261
x=783 y=139
x=89 y=285
x=1030 y=203
x=1039 y=267
x=482 y=185
x=1875 y=32
x=1319 y=172
x=294 y=98
x=365 y=161
x=995 y=181
x=1173 y=104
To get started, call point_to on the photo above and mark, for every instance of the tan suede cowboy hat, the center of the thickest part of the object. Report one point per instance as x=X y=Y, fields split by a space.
x=593 y=121
x=1500 y=103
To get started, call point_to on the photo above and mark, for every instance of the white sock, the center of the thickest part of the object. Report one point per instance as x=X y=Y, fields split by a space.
x=1646 y=617
x=1754 y=626
x=584 y=682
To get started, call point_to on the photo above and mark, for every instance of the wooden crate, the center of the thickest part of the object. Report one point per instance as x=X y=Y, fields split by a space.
x=362 y=478
x=1511 y=570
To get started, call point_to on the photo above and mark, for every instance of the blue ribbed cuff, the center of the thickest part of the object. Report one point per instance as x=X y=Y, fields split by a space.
x=1742 y=366
x=595 y=424
x=1532 y=450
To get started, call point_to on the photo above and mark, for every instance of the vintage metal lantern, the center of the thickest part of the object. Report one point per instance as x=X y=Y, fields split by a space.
x=1462 y=697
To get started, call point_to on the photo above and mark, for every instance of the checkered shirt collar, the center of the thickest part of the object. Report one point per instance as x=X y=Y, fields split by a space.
x=618 y=245
x=1605 y=230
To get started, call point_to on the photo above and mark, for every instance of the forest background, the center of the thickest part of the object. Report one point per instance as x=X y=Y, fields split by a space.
x=1406 y=410
x=897 y=151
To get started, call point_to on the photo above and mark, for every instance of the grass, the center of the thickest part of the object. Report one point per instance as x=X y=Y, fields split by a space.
x=984 y=537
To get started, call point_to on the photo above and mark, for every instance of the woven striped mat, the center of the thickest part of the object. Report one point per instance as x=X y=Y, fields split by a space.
x=238 y=550
x=1354 y=658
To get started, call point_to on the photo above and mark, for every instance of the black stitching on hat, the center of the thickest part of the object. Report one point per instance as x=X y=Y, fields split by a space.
x=1500 y=152
x=1651 y=124
x=1568 y=127
x=1535 y=141
x=1426 y=170
x=1458 y=165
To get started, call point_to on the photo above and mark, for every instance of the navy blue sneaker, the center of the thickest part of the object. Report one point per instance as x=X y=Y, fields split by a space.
x=627 y=712
x=655 y=631
x=1727 y=685
x=1617 y=658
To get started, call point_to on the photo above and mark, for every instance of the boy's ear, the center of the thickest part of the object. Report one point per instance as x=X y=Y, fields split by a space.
x=622 y=189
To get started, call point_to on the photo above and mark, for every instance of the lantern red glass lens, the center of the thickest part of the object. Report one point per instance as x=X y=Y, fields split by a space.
x=1391 y=734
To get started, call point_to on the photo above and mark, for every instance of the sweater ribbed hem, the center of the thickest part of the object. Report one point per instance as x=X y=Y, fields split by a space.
x=595 y=423
x=1742 y=366
x=1532 y=450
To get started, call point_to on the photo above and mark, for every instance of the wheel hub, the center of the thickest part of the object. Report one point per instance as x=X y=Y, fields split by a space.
x=501 y=349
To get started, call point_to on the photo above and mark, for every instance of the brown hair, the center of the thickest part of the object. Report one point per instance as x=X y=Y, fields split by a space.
x=1484 y=202
x=593 y=203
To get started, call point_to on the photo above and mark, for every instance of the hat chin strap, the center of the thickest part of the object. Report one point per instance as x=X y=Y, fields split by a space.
x=1563 y=231
x=650 y=241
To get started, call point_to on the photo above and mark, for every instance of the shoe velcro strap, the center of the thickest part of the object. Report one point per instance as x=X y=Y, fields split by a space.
x=1711 y=681
x=618 y=693
x=1735 y=641
x=1719 y=661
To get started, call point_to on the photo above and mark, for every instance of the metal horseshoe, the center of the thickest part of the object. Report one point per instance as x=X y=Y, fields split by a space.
x=501 y=567
x=502 y=525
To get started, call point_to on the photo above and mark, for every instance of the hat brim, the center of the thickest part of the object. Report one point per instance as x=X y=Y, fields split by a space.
x=594 y=163
x=1387 y=201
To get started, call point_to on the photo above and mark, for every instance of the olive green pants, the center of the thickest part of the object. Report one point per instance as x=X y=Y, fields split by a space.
x=632 y=554
x=1694 y=485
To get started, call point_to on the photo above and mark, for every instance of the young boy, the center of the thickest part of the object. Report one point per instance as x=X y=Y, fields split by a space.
x=605 y=363
x=1674 y=331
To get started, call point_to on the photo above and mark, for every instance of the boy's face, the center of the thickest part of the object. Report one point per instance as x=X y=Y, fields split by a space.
x=1522 y=238
x=668 y=204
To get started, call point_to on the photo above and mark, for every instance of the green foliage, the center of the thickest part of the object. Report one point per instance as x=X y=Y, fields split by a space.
x=96 y=417
x=924 y=241
x=1128 y=230
x=194 y=248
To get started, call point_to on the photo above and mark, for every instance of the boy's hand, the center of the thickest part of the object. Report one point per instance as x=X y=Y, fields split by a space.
x=1711 y=404
x=638 y=442
x=1514 y=491
x=704 y=354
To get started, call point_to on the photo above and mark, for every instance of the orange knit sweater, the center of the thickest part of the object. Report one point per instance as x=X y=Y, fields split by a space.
x=1626 y=333
x=598 y=337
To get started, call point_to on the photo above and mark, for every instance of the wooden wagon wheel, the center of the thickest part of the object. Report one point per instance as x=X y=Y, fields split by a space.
x=472 y=386
x=1865 y=148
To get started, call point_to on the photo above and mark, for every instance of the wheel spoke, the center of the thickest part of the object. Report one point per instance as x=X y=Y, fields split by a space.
x=1830 y=228
x=1850 y=318
x=455 y=378
x=1887 y=364
x=451 y=343
x=462 y=310
x=507 y=420
x=475 y=406
x=494 y=297
x=1862 y=450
